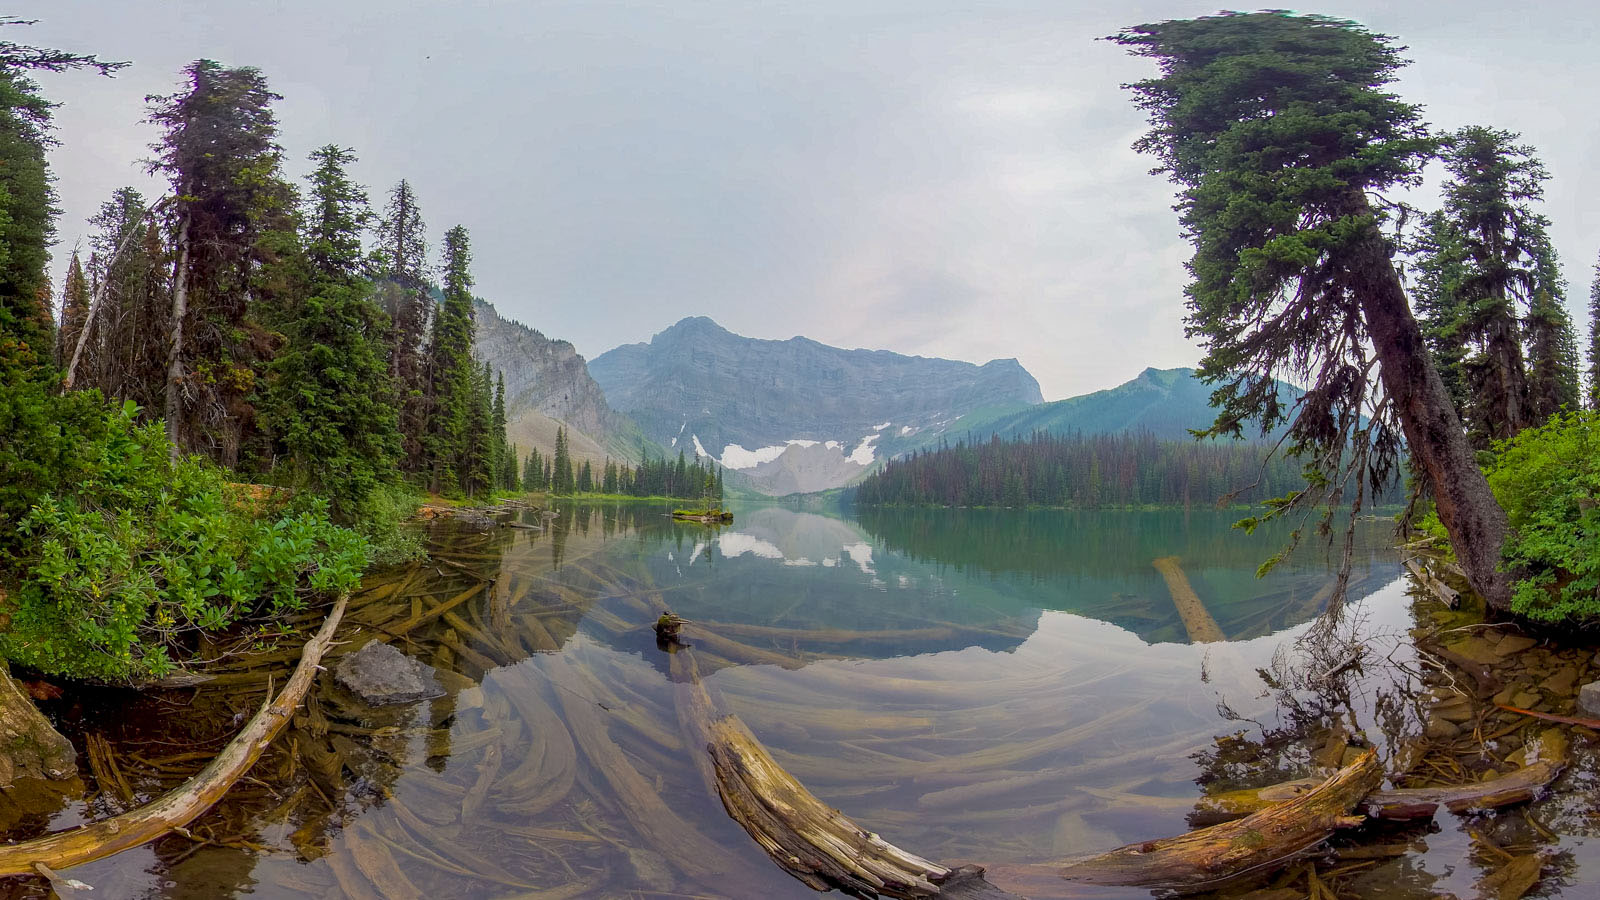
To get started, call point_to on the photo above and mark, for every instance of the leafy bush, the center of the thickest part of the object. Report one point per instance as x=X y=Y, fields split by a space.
x=381 y=518
x=119 y=565
x=1548 y=481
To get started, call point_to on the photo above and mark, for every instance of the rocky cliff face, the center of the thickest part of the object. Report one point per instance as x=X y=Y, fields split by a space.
x=547 y=380
x=747 y=401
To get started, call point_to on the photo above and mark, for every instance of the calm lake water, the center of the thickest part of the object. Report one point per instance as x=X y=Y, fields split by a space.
x=1004 y=687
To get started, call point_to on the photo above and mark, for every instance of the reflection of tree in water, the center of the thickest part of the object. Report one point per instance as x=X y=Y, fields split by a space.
x=1345 y=685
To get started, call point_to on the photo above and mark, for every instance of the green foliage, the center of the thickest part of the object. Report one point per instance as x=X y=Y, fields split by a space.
x=383 y=519
x=1278 y=127
x=1548 y=481
x=139 y=550
x=328 y=400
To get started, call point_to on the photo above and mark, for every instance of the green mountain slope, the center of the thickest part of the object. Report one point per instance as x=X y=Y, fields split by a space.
x=1167 y=403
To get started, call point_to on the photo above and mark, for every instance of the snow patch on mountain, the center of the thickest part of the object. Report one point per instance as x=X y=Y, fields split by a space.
x=863 y=455
x=737 y=457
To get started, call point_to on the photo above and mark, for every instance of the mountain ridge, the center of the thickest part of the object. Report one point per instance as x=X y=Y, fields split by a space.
x=791 y=415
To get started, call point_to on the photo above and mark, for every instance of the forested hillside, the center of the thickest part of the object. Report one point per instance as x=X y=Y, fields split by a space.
x=1083 y=471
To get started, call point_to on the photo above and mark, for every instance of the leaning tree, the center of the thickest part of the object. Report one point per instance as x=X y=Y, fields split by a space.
x=1283 y=136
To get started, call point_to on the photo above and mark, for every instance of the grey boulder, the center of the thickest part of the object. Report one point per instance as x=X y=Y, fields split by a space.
x=380 y=675
x=1589 y=698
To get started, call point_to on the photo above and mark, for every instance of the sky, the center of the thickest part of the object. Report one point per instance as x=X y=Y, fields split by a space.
x=934 y=178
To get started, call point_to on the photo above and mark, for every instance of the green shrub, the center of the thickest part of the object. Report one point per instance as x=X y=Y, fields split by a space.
x=382 y=519
x=117 y=567
x=1548 y=481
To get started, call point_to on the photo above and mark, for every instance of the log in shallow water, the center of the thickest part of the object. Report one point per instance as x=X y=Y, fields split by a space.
x=188 y=801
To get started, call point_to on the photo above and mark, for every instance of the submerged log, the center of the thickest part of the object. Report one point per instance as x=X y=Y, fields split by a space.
x=188 y=801
x=1211 y=856
x=1416 y=803
x=1202 y=628
x=807 y=838
x=1445 y=594
x=1397 y=804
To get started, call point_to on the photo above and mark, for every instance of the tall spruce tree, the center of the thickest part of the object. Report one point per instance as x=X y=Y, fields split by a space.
x=1487 y=199
x=129 y=268
x=477 y=464
x=450 y=369
x=74 y=311
x=1594 y=340
x=504 y=459
x=328 y=400
x=561 y=463
x=1551 y=342
x=1279 y=129
x=1438 y=263
x=232 y=211
x=400 y=264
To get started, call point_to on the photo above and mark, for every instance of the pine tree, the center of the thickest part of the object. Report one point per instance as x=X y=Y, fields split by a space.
x=504 y=459
x=533 y=473
x=478 y=455
x=450 y=369
x=585 y=478
x=328 y=400
x=1594 y=340
x=400 y=265
x=129 y=267
x=74 y=311
x=562 y=481
x=1253 y=115
x=1552 y=344
x=1488 y=201
x=233 y=211
x=1439 y=262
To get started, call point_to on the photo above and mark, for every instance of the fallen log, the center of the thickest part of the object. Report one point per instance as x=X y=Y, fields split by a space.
x=1270 y=837
x=1416 y=803
x=1197 y=621
x=810 y=840
x=1397 y=804
x=1445 y=594
x=183 y=804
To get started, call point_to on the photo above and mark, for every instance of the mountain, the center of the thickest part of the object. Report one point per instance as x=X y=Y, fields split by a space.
x=795 y=415
x=1167 y=403
x=548 y=385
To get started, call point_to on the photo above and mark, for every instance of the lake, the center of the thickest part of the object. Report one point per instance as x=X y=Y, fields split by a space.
x=1005 y=687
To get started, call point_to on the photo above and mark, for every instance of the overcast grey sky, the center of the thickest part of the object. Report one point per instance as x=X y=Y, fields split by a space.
x=939 y=178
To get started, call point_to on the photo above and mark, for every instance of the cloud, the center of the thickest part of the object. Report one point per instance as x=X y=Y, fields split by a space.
x=935 y=178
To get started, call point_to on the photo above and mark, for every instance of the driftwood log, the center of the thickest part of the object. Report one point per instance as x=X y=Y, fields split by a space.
x=183 y=804
x=1396 y=804
x=1271 y=837
x=807 y=838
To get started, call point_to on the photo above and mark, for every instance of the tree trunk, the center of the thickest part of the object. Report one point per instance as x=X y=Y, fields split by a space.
x=99 y=296
x=1433 y=432
x=32 y=749
x=180 y=308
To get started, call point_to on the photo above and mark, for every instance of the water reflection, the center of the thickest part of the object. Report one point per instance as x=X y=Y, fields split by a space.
x=1010 y=691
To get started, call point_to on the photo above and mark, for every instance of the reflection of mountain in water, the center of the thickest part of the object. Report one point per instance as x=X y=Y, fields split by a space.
x=902 y=582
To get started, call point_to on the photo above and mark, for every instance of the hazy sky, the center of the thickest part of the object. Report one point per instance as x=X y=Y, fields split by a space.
x=939 y=178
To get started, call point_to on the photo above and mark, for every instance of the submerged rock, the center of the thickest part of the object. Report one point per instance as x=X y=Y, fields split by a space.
x=379 y=674
x=1589 y=698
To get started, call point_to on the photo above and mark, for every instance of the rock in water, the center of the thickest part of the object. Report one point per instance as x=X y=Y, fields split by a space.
x=1589 y=698
x=379 y=674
